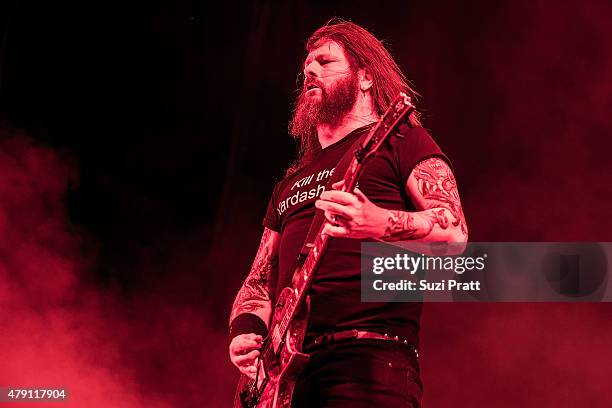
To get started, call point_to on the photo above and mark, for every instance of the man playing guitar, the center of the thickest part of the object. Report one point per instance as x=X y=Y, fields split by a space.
x=361 y=354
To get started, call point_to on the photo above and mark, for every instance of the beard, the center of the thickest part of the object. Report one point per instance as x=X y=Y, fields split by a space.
x=329 y=109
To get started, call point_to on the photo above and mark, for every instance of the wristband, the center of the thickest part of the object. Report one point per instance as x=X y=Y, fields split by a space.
x=247 y=323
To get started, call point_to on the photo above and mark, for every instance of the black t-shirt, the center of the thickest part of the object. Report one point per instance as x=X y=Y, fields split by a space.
x=335 y=296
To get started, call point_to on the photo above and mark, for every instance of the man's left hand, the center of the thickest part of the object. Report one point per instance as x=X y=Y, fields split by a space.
x=351 y=215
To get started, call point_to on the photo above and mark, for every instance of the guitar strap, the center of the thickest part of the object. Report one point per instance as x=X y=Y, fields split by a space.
x=339 y=172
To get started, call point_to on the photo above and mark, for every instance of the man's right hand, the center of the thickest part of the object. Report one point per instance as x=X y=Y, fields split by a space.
x=244 y=351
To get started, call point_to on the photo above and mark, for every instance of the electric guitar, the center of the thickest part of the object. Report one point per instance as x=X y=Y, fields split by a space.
x=281 y=360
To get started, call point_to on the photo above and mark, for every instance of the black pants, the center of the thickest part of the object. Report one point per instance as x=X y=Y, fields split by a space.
x=360 y=373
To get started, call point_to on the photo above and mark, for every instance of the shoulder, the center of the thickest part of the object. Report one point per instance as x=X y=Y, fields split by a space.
x=412 y=146
x=414 y=136
x=281 y=182
x=413 y=143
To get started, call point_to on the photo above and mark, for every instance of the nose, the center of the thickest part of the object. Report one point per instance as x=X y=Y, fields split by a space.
x=311 y=70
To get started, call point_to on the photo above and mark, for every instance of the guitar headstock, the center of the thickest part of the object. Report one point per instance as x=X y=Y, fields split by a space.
x=400 y=108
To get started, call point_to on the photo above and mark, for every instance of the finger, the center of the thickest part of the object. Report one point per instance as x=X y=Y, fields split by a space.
x=341 y=197
x=337 y=220
x=248 y=371
x=246 y=359
x=338 y=185
x=247 y=343
x=359 y=194
x=335 y=231
x=334 y=208
x=331 y=218
x=244 y=346
x=252 y=336
x=248 y=364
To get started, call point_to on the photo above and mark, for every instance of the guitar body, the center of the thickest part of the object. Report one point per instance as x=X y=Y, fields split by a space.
x=279 y=374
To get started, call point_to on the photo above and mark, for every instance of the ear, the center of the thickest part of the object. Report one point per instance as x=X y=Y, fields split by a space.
x=365 y=79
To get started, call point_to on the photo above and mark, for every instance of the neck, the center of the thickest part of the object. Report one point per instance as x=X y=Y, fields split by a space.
x=362 y=114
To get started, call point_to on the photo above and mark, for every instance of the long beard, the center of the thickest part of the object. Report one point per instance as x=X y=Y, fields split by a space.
x=330 y=109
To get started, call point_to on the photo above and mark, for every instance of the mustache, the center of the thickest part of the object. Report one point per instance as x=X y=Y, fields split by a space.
x=311 y=81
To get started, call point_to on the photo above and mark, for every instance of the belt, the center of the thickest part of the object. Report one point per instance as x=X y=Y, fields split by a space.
x=341 y=336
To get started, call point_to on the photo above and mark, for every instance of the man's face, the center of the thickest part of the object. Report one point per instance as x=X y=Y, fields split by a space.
x=329 y=90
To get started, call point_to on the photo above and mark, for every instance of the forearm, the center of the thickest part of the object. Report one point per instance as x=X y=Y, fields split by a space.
x=433 y=225
x=254 y=294
x=252 y=307
x=261 y=309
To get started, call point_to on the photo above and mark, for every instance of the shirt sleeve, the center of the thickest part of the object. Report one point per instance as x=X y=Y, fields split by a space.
x=415 y=146
x=271 y=220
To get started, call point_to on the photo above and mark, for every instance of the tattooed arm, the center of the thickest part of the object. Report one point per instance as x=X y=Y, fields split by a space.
x=433 y=190
x=253 y=299
x=254 y=295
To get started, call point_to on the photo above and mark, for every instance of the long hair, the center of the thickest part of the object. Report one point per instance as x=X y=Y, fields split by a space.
x=364 y=51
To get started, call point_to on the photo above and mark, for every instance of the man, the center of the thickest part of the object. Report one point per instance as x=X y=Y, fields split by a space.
x=407 y=192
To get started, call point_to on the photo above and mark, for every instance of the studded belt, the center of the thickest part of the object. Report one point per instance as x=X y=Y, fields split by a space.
x=341 y=336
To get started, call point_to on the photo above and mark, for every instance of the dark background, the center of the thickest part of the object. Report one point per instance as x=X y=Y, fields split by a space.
x=141 y=141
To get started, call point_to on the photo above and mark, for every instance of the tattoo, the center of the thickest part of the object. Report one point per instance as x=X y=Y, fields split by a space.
x=439 y=217
x=404 y=225
x=254 y=293
x=401 y=225
x=437 y=184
